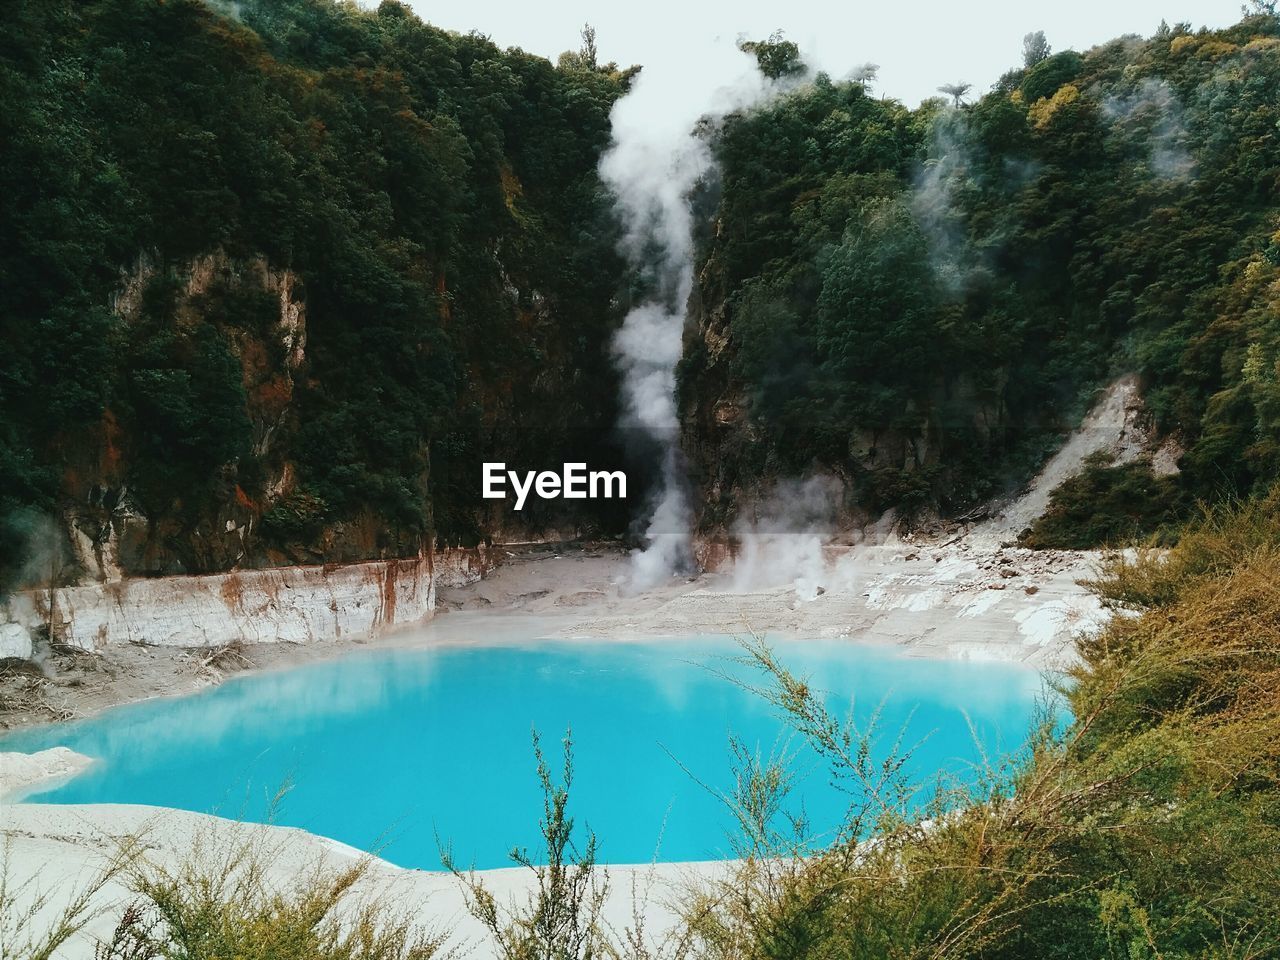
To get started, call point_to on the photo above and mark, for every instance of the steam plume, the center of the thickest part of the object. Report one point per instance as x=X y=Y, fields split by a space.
x=654 y=162
x=953 y=168
x=1154 y=109
x=781 y=539
x=933 y=199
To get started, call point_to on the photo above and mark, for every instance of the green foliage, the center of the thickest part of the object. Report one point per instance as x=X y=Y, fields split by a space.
x=189 y=401
x=927 y=295
x=561 y=918
x=1044 y=78
x=1108 y=505
x=222 y=901
x=299 y=516
x=1217 y=541
x=876 y=320
x=435 y=199
x=913 y=299
x=777 y=57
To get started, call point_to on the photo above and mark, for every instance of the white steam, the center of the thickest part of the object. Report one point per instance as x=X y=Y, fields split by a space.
x=933 y=201
x=780 y=544
x=864 y=73
x=951 y=171
x=652 y=166
x=1153 y=110
x=227 y=8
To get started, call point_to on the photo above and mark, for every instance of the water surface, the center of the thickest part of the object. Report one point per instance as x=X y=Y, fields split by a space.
x=396 y=748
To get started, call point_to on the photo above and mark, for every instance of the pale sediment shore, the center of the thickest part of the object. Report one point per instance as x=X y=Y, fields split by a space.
x=968 y=597
x=22 y=772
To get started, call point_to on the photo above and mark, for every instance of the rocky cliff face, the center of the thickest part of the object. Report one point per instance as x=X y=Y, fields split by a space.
x=132 y=503
x=298 y=604
x=114 y=529
x=191 y=477
x=134 y=557
x=733 y=463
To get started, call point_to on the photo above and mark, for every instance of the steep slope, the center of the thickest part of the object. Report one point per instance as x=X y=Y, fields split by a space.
x=921 y=303
x=279 y=275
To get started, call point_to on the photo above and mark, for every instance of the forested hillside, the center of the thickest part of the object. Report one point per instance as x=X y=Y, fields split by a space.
x=922 y=301
x=277 y=274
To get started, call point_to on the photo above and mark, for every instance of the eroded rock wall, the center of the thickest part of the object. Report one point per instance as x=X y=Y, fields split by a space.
x=296 y=604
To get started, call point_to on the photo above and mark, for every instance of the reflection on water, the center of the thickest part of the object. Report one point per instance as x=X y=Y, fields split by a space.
x=390 y=750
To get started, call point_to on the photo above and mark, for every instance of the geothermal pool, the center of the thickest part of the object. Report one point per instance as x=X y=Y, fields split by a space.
x=391 y=750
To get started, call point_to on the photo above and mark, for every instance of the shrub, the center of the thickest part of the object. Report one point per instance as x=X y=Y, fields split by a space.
x=561 y=918
x=221 y=903
x=1108 y=505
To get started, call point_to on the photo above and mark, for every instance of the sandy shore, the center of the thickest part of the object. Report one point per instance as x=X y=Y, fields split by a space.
x=967 y=597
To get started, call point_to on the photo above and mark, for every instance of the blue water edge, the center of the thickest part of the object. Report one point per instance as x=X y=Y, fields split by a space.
x=392 y=750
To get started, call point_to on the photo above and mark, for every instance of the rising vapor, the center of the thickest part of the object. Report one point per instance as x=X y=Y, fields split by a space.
x=780 y=539
x=1153 y=112
x=655 y=160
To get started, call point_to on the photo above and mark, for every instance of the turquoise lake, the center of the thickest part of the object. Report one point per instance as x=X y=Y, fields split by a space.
x=391 y=750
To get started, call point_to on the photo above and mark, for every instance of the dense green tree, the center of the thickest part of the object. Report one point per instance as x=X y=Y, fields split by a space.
x=876 y=324
x=1035 y=49
x=1048 y=75
x=778 y=57
x=1094 y=213
x=435 y=197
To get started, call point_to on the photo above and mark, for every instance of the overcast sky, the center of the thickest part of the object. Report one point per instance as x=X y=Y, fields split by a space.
x=918 y=45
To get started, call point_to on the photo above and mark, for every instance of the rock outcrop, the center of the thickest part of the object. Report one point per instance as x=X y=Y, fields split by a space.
x=296 y=604
x=115 y=530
